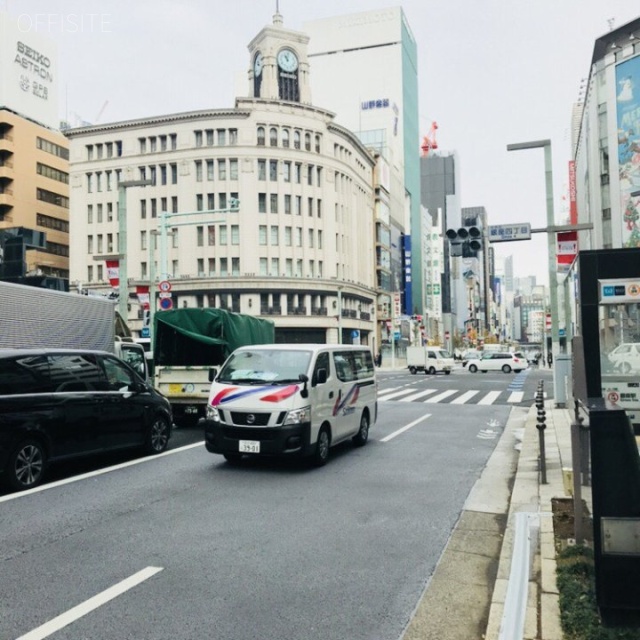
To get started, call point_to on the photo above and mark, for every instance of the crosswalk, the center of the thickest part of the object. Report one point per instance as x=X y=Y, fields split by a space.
x=454 y=396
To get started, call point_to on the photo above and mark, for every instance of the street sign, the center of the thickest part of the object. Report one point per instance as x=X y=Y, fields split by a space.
x=144 y=332
x=164 y=294
x=509 y=232
x=166 y=304
x=165 y=285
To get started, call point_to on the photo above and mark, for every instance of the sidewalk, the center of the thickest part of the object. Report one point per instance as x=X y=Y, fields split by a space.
x=542 y=621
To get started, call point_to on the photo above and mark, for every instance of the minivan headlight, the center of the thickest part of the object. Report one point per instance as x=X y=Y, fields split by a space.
x=298 y=416
x=212 y=413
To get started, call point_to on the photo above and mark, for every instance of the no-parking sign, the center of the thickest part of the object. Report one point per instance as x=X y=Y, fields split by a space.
x=166 y=304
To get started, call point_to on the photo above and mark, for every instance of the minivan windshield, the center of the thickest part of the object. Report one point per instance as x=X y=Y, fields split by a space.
x=260 y=366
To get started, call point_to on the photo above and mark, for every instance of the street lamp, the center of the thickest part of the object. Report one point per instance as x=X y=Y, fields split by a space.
x=551 y=236
x=123 y=285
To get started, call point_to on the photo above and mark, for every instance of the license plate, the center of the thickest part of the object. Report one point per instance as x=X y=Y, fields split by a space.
x=249 y=446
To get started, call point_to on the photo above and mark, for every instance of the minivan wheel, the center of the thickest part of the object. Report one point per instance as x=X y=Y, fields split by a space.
x=360 y=439
x=321 y=454
x=26 y=465
x=158 y=436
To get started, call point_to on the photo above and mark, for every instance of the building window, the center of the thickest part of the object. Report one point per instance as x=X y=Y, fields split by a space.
x=262 y=203
x=262 y=169
x=310 y=207
x=222 y=169
x=275 y=236
x=233 y=136
x=307 y=141
x=261 y=135
x=198 y=170
x=142 y=142
x=90 y=213
x=298 y=236
x=211 y=235
x=52 y=198
x=287 y=204
x=174 y=204
x=223 y=235
x=212 y=266
x=310 y=175
x=311 y=238
x=222 y=200
x=235 y=234
x=174 y=174
x=143 y=209
x=198 y=138
x=273 y=203
x=287 y=171
x=210 y=170
x=273 y=170
x=298 y=205
x=209 y=133
x=275 y=267
x=287 y=236
x=289 y=268
x=163 y=143
x=222 y=137
x=224 y=271
x=211 y=201
x=199 y=202
x=233 y=168
x=263 y=267
x=235 y=268
x=89 y=182
x=298 y=172
x=319 y=205
x=317 y=144
x=200 y=236
x=153 y=144
x=262 y=234
x=296 y=139
x=285 y=138
x=273 y=137
x=99 y=213
x=174 y=141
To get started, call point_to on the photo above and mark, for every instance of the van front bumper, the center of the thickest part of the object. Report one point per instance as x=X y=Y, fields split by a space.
x=290 y=440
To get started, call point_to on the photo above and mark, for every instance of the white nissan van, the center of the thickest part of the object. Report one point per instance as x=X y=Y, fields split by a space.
x=291 y=399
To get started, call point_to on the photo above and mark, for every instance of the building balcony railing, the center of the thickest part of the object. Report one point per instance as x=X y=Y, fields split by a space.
x=318 y=311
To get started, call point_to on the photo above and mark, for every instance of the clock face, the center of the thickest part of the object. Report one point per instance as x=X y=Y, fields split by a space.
x=287 y=60
x=257 y=64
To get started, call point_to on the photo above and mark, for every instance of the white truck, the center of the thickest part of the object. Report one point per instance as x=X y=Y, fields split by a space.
x=429 y=359
x=35 y=317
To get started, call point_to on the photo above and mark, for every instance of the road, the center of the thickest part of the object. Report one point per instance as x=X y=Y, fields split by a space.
x=185 y=545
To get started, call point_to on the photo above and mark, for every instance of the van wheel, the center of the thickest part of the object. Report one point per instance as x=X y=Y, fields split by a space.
x=360 y=439
x=158 y=436
x=412 y=370
x=472 y=368
x=321 y=454
x=26 y=465
x=432 y=371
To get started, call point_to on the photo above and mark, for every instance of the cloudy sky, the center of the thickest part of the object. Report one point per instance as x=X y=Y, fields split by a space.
x=491 y=73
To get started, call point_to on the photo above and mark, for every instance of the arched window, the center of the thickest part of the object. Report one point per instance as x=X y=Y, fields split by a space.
x=273 y=137
x=261 y=136
x=307 y=141
x=285 y=138
x=317 y=144
x=296 y=139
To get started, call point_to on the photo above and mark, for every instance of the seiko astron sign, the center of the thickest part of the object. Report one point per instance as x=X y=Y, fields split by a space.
x=28 y=82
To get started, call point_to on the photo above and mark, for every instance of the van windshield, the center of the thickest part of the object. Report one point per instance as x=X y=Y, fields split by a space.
x=265 y=367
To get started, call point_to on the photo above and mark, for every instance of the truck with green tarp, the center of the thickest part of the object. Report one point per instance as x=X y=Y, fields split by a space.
x=188 y=343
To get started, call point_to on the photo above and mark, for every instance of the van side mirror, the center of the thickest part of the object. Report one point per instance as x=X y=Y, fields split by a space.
x=212 y=374
x=304 y=378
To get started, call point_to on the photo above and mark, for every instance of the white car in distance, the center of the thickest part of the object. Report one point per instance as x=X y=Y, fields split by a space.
x=497 y=361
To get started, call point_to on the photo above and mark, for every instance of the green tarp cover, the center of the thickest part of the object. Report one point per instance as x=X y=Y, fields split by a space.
x=212 y=326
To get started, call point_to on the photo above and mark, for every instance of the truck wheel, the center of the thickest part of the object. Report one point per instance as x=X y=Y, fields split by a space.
x=360 y=439
x=472 y=368
x=157 y=438
x=26 y=465
x=447 y=372
x=432 y=371
x=321 y=454
x=413 y=370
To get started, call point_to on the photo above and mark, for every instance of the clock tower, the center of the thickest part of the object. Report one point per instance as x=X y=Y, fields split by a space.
x=279 y=64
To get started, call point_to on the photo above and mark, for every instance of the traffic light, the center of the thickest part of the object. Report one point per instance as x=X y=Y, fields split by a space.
x=465 y=241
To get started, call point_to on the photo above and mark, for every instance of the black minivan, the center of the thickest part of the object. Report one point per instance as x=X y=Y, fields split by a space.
x=57 y=404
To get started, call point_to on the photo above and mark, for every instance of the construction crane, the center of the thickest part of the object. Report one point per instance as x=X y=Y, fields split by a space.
x=429 y=141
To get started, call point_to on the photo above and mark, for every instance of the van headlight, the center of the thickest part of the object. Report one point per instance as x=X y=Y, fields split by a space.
x=212 y=413
x=298 y=416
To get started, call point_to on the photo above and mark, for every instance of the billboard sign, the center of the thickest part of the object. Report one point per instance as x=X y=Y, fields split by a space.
x=628 y=120
x=29 y=79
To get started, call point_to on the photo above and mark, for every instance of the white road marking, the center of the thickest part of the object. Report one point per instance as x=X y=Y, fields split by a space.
x=89 y=605
x=442 y=396
x=467 y=395
x=490 y=398
x=389 y=396
x=516 y=396
x=98 y=472
x=410 y=398
x=403 y=429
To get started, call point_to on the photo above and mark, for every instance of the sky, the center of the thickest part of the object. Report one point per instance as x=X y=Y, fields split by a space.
x=490 y=73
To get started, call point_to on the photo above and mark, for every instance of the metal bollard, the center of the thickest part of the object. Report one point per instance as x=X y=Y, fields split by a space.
x=541 y=426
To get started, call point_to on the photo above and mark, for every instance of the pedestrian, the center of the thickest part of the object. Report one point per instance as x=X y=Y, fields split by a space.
x=378 y=360
x=549 y=359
